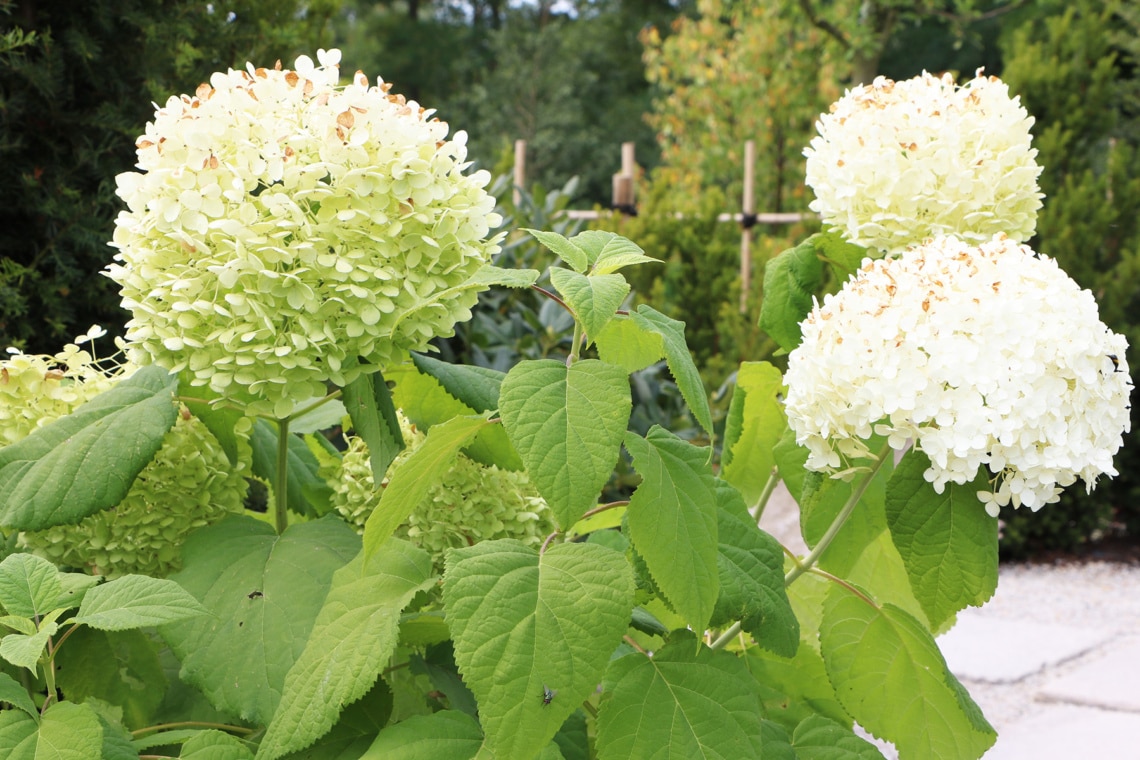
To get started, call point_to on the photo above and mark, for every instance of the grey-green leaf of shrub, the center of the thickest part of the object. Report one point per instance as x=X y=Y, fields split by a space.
x=794 y=689
x=67 y=732
x=215 y=745
x=136 y=601
x=790 y=281
x=948 y=544
x=16 y=695
x=24 y=651
x=687 y=701
x=75 y=587
x=567 y=425
x=29 y=585
x=680 y=361
x=890 y=676
x=755 y=422
x=352 y=640
x=447 y=735
x=219 y=420
x=524 y=625
x=87 y=461
x=594 y=298
x=629 y=345
x=609 y=252
x=673 y=521
x=369 y=403
x=750 y=564
x=818 y=738
x=264 y=591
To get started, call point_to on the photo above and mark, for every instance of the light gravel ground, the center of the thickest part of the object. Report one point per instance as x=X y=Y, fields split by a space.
x=1097 y=595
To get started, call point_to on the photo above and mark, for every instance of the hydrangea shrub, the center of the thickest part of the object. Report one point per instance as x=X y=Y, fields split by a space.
x=284 y=231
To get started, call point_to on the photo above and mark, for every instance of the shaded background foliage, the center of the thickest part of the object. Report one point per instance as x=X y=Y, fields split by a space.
x=687 y=80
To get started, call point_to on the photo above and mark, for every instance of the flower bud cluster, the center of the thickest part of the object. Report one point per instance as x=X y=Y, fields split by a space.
x=982 y=356
x=473 y=502
x=896 y=163
x=285 y=231
x=189 y=484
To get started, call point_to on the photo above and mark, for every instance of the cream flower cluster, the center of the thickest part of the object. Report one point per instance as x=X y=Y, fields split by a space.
x=285 y=231
x=982 y=356
x=190 y=482
x=896 y=163
x=473 y=502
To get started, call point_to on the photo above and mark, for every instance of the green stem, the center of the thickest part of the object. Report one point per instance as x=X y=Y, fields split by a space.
x=49 y=681
x=576 y=346
x=316 y=404
x=138 y=733
x=808 y=562
x=769 y=487
x=730 y=634
x=281 y=486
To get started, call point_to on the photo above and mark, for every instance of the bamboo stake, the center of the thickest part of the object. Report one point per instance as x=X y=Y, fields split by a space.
x=748 y=218
x=520 y=170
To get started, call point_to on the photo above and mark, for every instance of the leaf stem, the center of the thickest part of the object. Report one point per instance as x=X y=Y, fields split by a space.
x=576 y=345
x=316 y=404
x=629 y=640
x=602 y=508
x=281 y=487
x=552 y=297
x=769 y=487
x=844 y=584
x=546 y=544
x=140 y=732
x=730 y=633
x=808 y=562
x=53 y=649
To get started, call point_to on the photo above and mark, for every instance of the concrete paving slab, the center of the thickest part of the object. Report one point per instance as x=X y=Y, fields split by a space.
x=1111 y=681
x=1003 y=651
x=1069 y=733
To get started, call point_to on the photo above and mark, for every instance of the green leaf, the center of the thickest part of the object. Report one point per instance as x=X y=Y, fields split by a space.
x=818 y=738
x=594 y=299
x=24 y=651
x=358 y=726
x=304 y=483
x=426 y=402
x=889 y=674
x=264 y=591
x=507 y=278
x=120 y=668
x=680 y=361
x=477 y=387
x=116 y=739
x=627 y=344
x=329 y=414
x=755 y=423
x=446 y=735
x=790 y=461
x=352 y=640
x=948 y=543
x=221 y=421
x=14 y=694
x=410 y=483
x=67 y=732
x=845 y=258
x=609 y=252
x=524 y=624
x=29 y=585
x=797 y=688
x=215 y=745
x=673 y=521
x=750 y=565
x=18 y=624
x=87 y=461
x=75 y=587
x=790 y=281
x=687 y=702
x=17 y=736
x=369 y=404
x=136 y=601
x=573 y=739
x=774 y=742
x=567 y=425
x=564 y=249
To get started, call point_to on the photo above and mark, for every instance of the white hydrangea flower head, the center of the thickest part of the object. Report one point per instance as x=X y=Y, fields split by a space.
x=982 y=356
x=190 y=482
x=284 y=231
x=896 y=163
x=474 y=502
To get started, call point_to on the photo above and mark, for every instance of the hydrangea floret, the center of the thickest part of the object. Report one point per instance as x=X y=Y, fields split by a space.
x=189 y=484
x=896 y=163
x=473 y=502
x=982 y=356
x=284 y=231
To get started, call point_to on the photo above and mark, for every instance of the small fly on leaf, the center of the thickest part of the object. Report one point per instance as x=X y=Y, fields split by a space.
x=547 y=695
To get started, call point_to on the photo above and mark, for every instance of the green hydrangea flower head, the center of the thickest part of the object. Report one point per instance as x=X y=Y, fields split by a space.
x=284 y=231
x=474 y=502
x=189 y=484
